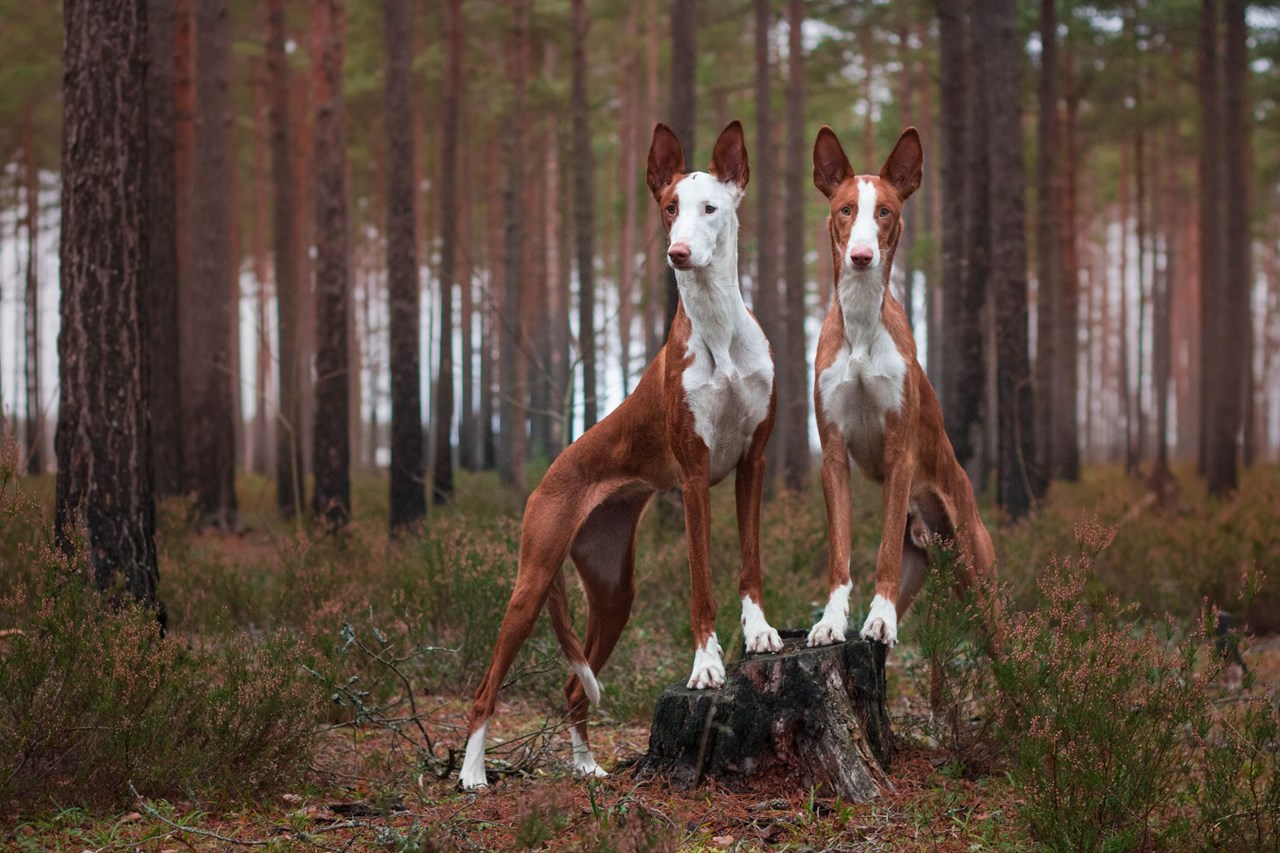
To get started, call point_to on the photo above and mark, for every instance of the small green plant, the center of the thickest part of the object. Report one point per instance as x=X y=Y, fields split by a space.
x=955 y=656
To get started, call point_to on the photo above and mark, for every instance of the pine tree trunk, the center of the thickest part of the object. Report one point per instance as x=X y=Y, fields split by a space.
x=655 y=267
x=905 y=253
x=184 y=142
x=103 y=441
x=210 y=430
x=261 y=463
x=794 y=395
x=468 y=424
x=584 y=215
x=1161 y=356
x=331 y=499
x=1135 y=451
x=628 y=164
x=491 y=325
x=289 y=465
x=511 y=451
x=408 y=498
x=1066 y=384
x=1212 y=230
x=764 y=183
x=31 y=299
x=533 y=313
x=557 y=261
x=1232 y=364
x=962 y=364
x=1001 y=61
x=1049 y=315
x=682 y=114
x=303 y=103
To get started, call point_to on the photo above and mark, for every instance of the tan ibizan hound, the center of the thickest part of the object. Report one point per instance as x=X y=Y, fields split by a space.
x=875 y=404
x=703 y=408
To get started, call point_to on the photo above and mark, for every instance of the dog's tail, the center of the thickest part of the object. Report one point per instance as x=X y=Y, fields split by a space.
x=558 y=609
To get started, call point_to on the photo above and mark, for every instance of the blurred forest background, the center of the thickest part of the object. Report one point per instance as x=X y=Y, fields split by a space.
x=419 y=237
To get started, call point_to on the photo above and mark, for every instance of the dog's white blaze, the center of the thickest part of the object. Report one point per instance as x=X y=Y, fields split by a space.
x=708 y=668
x=584 y=762
x=757 y=634
x=866 y=232
x=835 y=618
x=589 y=683
x=882 y=621
x=473 y=763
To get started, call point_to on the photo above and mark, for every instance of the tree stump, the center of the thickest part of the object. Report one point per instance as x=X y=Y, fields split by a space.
x=797 y=720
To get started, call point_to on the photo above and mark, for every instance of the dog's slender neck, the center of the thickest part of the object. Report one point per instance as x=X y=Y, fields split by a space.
x=862 y=295
x=711 y=295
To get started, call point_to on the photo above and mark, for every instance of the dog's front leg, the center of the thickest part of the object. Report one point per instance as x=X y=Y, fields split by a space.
x=757 y=634
x=882 y=621
x=835 y=489
x=708 y=667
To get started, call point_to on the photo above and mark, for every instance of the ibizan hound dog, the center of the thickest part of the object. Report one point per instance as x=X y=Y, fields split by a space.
x=702 y=409
x=876 y=405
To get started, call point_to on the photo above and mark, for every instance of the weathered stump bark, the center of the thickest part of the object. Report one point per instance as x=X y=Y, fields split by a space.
x=796 y=720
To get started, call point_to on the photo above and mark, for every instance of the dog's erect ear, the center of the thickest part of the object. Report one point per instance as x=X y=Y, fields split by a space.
x=729 y=159
x=905 y=165
x=666 y=159
x=830 y=165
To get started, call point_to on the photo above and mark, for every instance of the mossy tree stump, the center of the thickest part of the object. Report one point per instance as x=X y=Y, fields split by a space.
x=797 y=720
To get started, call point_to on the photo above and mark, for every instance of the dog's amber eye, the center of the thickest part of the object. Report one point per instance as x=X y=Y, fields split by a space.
x=710 y=208
x=846 y=211
x=671 y=210
x=884 y=211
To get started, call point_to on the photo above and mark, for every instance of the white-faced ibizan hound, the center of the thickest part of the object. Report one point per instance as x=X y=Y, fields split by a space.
x=875 y=404
x=703 y=408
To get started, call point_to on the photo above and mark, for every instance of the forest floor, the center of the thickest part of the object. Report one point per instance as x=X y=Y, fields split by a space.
x=382 y=773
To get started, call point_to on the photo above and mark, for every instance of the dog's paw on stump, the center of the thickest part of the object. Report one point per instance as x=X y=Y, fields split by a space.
x=797 y=720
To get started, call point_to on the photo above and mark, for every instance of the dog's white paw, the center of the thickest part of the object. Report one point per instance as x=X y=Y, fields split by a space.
x=827 y=632
x=584 y=762
x=830 y=629
x=589 y=771
x=759 y=636
x=882 y=622
x=472 y=777
x=708 y=668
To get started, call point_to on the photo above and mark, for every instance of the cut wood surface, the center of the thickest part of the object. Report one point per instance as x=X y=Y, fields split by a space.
x=801 y=719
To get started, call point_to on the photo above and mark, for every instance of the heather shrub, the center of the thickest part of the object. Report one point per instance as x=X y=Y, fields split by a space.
x=93 y=699
x=1114 y=729
x=1095 y=711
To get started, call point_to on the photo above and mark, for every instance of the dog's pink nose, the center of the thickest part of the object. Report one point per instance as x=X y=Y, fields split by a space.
x=679 y=254
x=861 y=257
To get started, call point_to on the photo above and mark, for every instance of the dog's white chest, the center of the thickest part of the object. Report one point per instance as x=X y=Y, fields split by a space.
x=728 y=388
x=861 y=386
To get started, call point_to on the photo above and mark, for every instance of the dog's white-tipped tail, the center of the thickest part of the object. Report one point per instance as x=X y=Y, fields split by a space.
x=589 y=683
x=558 y=610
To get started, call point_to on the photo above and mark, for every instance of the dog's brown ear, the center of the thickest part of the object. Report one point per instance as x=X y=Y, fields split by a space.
x=830 y=165
x=666 y=159
x=905 y=165
x=729 y=159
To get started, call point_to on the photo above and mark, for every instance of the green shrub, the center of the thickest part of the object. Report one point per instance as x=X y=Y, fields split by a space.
x=1095 y=712
x=1113 y=728
x=93 y=699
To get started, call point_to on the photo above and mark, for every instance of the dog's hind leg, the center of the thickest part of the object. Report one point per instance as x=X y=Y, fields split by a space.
x=604 y=554
x=543 y=549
